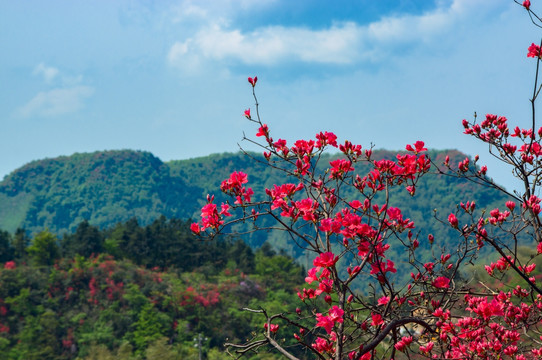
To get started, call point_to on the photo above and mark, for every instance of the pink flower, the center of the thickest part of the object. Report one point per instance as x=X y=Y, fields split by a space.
x=380 y=267
x=195 y=228
x=225 y=209
x=273 y=328
x=418 y=147
x=325 y=139
x=527 y=4
x=9 y=265
x=312 y=275
x=325 y=322
x=427 y=348
x=383 y=300
x=452 y=219
x=403 y=343
x=322 y=346
x=376 y=320
x=325 y=286
x=336 y=314
x=263 y=131
x=441 y=282
x=253 y=81
x=247 y=113
x=339 y=168
x=533 y=51
x=327 y=259
x=510 y=205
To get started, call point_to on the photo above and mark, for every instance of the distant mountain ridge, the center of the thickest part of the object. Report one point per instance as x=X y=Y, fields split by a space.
x=108 y=187
x=103 y=187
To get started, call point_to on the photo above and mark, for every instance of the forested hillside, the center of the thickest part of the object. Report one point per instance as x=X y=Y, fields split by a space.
x=135 y=292
x=103 y=187
x=109 y=187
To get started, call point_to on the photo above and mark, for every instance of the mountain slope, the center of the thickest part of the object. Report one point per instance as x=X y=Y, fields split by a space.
x=113 y=186
x=102 y=187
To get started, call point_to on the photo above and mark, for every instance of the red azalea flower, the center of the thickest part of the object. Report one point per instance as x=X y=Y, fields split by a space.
x=327 y=259
x=452 y=219
x=253 y=81
x=533 y=51
x=263 y=131
x=441 y=282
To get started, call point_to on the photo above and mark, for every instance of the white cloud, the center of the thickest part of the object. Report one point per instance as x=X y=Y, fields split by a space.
x=66 y=94
x=341 y=43
x=48 y=72
x=56 y=102
x=269 y=45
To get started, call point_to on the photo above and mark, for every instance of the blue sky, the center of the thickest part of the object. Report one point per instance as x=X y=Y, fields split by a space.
x=169 y=76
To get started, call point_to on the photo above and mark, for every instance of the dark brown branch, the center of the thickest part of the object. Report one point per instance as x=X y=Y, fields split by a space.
x=393 y=325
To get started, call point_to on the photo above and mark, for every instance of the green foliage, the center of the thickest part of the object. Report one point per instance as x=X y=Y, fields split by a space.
x=86 y=240
x=6 y=250
x=98 y=307
x=19 y=244
x=44 y=249
x=112 y=187
x=102 y=187
x=150 y=326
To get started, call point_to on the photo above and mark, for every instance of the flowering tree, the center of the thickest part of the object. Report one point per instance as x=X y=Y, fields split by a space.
x=341 y=216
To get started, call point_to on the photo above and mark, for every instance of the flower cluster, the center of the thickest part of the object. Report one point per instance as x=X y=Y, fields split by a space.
x=346 y=218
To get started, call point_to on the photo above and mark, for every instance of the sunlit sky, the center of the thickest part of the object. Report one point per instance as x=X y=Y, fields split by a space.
x=170 y=77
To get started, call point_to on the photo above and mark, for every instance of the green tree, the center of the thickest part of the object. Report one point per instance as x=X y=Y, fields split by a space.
x=20 y=243
x=159 y=349
x=86 y=240
x=44 y=249
x=6 y=251
x=149 y=327
x=39 y=338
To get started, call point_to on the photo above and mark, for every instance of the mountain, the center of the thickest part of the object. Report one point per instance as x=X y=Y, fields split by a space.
x=102 y=187
x=109 y=187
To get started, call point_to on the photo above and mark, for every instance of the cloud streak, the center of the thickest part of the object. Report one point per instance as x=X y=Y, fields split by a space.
x=56 y=102
x=48 y=72
x=65 y=95
x=340 y=44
